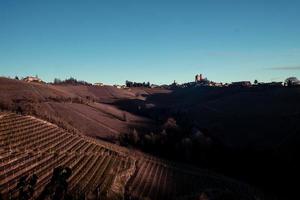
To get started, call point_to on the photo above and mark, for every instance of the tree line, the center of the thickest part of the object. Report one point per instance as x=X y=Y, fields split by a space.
x=137 y=84
x=70 y=81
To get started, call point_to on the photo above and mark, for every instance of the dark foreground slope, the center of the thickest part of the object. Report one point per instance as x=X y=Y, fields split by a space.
x=30 y=146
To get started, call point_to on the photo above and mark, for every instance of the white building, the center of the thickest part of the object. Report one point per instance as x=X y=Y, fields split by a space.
x=99 y=84
x=32 y=79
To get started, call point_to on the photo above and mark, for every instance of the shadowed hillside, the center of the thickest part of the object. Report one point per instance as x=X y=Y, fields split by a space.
x=250 y=134
x=39 y=160
x=247 y=133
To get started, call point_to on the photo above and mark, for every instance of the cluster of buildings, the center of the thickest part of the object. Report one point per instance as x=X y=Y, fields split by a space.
x=99 y=84
x=200 y=81
x=35 y=79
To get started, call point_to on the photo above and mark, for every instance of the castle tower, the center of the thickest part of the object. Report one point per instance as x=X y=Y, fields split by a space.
x=198 y=78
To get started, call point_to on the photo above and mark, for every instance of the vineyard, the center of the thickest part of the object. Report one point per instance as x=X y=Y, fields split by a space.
x=160 y=179
x=32 y=146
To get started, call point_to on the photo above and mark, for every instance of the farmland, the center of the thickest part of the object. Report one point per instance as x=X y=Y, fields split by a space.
x=89 y=109
x=241 y=133
x=33 y=146
x=160 y=179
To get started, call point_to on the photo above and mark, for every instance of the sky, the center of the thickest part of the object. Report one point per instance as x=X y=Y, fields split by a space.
x=158 y=41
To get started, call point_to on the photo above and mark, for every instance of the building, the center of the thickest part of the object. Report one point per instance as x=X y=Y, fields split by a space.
x=217 y=84
x=198 y=78
x=271 y=84
x=154 y=86
x=118 y=86
x=241 y=84
x=99 y=84
x=32 y=79
x=201 y=81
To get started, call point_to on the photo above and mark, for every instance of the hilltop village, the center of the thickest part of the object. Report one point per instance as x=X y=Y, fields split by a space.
x=200 y=81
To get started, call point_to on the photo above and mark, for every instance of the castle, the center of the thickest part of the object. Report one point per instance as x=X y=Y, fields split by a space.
x=198 y=78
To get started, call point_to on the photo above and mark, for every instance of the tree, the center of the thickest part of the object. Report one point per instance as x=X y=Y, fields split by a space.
x=19 y=110
x=129 y=83
x=32 y=184
x=57 y=81
x=58 y=186
x=124 y=117
x=135 y=136
x=26 y=186
x=170 y=123
x=16 y=77
x=203 y=196
x=289 y=83
x=255 y=82
x=21 y=187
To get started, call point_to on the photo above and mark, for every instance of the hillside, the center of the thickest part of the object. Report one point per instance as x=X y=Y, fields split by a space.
x=89 y=109
x=260 y=117
x=30 y=146
x=249 y=134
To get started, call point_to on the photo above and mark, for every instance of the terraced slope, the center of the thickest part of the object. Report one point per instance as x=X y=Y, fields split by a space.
x=31 y=146
x=160 y=179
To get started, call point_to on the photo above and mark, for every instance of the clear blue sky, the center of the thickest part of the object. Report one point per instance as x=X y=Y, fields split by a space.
x=156 y=41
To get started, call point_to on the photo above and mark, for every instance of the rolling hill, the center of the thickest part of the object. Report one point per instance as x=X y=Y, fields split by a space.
x=33 y=146
x=89 y=109
x=249 y=134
